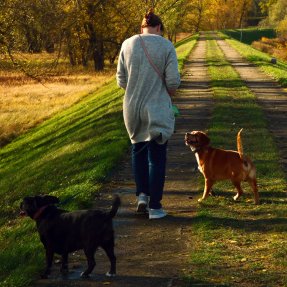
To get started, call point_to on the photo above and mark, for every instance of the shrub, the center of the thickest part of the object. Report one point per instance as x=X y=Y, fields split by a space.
x=276 y=47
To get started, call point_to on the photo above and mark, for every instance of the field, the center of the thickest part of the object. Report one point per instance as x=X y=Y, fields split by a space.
x=27 y=101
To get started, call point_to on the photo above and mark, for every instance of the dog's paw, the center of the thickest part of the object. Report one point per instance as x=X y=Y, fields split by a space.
x=108 y=274
x=200 y=199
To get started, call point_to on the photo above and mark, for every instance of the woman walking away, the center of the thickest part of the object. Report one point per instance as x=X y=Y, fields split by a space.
x=148 y=71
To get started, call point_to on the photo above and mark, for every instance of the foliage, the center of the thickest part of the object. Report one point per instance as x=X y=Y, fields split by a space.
x=282 y=28
x=216 y=14
x=84 y=30
x=172 y=14
x=265 y=4
x=247 y=36
x=88 y=31
x=277 y=16
x=276 y=47
x=196 y=18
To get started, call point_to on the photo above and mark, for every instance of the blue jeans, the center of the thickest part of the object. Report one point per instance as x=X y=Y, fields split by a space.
x=148 y=162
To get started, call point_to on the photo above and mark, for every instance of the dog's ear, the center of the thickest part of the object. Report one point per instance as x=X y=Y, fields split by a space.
x=42 y=200
x=204 y=139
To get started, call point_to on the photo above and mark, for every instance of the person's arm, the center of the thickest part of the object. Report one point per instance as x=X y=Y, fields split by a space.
x=121 y=71
x=172 y=77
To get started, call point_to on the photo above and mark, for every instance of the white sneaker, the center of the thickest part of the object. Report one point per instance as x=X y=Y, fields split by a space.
x=142 y=203
x=156 y=213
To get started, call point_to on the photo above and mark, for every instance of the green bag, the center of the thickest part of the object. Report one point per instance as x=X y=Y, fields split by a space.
x=175 y=111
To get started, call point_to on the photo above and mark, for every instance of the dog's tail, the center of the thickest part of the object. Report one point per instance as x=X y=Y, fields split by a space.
x=239 y=144
x=115 y=206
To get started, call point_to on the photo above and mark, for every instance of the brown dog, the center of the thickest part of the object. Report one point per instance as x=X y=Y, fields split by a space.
x=218 y=164
x=63 y=232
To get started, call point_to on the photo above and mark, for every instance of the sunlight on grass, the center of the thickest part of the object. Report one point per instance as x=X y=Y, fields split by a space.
x=238 y=243
x=26 y=105
x=263 y=61
x=183 y=49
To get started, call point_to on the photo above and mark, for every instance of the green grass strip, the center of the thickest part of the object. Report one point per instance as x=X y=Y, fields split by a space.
x=183 y=49
x=277 y=71
x=238 y=243
x=71 y=153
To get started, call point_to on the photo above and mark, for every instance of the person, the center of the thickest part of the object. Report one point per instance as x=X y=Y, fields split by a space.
x=148 y=71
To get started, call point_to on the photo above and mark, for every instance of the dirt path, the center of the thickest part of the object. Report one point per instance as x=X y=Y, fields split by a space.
x=155 y=253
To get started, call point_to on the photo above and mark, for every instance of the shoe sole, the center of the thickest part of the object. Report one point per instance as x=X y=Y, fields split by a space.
x=142 y=208
x=157 y=216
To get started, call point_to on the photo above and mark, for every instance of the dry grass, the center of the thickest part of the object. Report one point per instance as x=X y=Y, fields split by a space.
x=276 y=47
x=26 y=102
x=180 y=36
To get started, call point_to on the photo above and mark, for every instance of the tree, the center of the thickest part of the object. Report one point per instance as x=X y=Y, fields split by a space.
x=173 y=14
x=277 y=14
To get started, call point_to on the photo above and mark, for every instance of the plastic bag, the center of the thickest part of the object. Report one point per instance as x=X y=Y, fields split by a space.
x=175 y=110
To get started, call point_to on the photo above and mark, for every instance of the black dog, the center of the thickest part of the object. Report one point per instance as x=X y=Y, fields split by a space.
x=63 y=232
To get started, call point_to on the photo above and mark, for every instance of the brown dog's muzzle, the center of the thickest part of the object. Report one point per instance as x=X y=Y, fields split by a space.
x=190 y=139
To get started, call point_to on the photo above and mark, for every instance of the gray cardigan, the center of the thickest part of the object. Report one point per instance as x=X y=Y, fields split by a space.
x=147 y=105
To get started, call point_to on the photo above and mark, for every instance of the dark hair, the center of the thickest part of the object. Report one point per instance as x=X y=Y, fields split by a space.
x=151 y=20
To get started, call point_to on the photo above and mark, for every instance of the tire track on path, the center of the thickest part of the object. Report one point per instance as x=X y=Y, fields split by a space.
x=270 y=95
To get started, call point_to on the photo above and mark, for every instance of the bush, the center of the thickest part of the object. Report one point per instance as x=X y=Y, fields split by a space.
x=276 y=47
x=282 y=29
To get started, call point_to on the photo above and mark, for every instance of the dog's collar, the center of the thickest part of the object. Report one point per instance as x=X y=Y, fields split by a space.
x=39 y=212
x=197 y=150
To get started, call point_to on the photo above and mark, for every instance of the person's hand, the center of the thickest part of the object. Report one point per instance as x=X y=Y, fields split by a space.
x=171 y=92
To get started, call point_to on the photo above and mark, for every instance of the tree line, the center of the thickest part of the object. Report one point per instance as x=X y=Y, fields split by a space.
x=93 y=30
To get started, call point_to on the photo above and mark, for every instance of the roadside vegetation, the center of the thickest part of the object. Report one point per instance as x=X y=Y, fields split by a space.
x=278 y=71
x=183 y=49
x=67 y=154
x=249 y=35
x=239 y=243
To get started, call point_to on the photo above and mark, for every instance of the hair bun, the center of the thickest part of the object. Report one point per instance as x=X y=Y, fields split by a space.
x=149 y=16
x=151 y=20
x=149 y=12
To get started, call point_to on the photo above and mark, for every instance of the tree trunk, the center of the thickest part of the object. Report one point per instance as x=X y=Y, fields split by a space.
x=96 y=47
x=32 y=37
x=98 y=56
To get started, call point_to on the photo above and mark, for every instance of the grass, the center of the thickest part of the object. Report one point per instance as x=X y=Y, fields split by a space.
x=65 y=155
x=249 y=35
x=183 y=49
x=238 y=243
x=68 y=154
x=27 y=102
x=262 y=60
